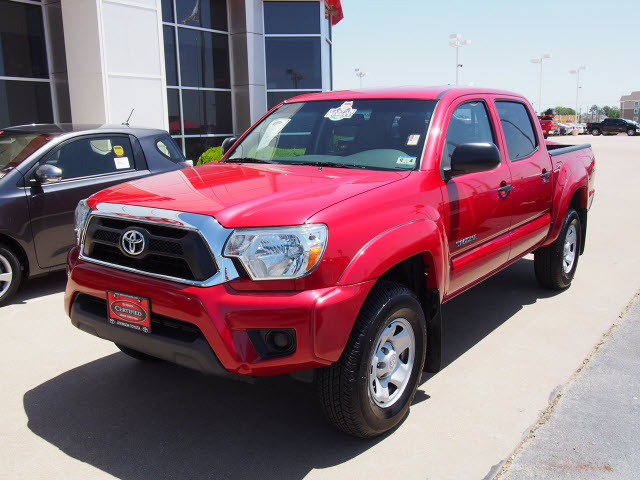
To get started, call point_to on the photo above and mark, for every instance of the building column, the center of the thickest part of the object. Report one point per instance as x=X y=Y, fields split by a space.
x=115 y=61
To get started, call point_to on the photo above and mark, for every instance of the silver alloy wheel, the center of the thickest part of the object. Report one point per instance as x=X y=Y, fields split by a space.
x=392 y=363
x=570 y=243
x=6 y=275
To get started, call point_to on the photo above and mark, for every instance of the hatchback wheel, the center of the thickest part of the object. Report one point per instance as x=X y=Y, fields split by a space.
x=10 y=274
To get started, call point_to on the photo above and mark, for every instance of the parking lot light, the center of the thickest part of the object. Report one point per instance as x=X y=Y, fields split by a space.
x=577 y=72
x=540 y=60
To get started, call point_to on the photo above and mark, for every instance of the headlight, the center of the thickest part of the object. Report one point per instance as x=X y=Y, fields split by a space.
x=82 y=215
x=278 y=253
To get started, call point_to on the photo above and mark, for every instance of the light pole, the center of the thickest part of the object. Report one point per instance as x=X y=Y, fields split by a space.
x=540 y=60
x=577 y=72
x=456 y=41
x=360 y=74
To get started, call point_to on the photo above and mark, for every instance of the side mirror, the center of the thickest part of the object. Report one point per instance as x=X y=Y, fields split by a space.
x=48 y=174
x=227 y=144
x=473 y=157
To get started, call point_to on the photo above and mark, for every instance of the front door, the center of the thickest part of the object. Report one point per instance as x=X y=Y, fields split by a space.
x=88 y=164
x=477 y=205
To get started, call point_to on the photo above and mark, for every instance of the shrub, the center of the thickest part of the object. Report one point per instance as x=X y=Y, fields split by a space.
x=214 y=154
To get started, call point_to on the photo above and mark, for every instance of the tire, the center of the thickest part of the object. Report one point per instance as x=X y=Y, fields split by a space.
x=595 y=132
x=390 y=331
x=143 y=357
x=631 y=132
x=556 y=264
x=11 y=272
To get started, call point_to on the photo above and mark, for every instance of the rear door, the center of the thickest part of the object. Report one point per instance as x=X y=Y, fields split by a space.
x=89 y=164
x=477 y=205
x=531 y=171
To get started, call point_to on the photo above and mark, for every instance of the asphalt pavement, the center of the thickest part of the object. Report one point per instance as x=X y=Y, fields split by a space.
x=593 y=429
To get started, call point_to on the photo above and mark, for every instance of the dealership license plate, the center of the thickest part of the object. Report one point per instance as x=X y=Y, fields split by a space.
x=129 y=311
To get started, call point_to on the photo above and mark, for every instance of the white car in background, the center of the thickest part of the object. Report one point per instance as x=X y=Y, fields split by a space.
x=565 y=128
x=578 y=127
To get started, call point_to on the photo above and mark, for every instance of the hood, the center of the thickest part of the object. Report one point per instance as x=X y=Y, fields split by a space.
x=249 y=195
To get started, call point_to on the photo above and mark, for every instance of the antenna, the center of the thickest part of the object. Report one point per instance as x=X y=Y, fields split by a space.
x=129 y=118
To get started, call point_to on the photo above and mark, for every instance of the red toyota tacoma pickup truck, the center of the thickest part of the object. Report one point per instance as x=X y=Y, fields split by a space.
x=327 y=240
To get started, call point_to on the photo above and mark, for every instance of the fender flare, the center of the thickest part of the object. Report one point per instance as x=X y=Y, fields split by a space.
x=577 y=179
x=395 y=245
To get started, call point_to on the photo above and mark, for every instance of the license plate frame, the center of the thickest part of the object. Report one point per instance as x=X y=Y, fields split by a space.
x=129 y=311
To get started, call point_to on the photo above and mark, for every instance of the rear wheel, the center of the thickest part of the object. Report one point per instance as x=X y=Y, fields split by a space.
x=10 y=274
x=369 y=390
x=556 y=265
x=136 y=354
x=595 y=132
x=631 y=132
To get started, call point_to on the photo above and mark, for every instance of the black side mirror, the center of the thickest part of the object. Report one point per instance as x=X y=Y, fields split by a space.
x=227 y=144
x=473 y=157
x=48 y=174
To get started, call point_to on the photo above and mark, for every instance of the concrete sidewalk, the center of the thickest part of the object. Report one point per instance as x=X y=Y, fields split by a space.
x=593 y=431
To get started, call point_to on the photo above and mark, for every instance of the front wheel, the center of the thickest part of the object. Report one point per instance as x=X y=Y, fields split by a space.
x=556 y=264
x=369 y=390
x=595 y=132
x=631 y=132
x=10 y=274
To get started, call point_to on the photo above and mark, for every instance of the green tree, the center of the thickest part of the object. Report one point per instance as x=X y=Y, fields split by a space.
x=565 y=111
x=612 y=112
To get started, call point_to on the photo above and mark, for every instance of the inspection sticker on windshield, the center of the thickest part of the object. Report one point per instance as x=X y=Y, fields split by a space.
x=343 y=111
x=406 y=160
x=122 y=162
x=413 y=139
x=118 y=150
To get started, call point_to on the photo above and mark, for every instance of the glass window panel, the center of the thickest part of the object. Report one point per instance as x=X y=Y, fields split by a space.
x=518 y=130
x=468 y=124
x=195 y=147
x=22 y=43
x=274 y=98
x=93 y=156
x=170 y=64
x=173 y=102
x=293 y=63
x=292 y=17
x=169 y=148
x=167 y=11
x=24 y=102
x=206 y=112
x=203 y=13
x=204 y=59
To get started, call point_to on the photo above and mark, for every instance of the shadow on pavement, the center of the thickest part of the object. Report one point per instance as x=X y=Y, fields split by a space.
x=155 y=420
x=39 y=287
x=471 y=316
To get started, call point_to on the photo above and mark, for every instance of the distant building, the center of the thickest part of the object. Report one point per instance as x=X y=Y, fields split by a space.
x=630 y=106
x=202 y=69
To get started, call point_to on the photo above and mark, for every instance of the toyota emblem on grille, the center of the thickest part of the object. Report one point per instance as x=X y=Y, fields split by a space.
x=132 y=242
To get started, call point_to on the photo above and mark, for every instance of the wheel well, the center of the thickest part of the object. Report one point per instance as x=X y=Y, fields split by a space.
x=18 y=250
x=417 y=273
x=579 y=203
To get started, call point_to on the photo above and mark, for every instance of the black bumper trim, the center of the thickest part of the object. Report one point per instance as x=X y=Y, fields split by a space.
x=196 y=354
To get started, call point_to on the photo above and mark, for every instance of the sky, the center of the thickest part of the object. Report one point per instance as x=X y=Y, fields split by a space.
x=406 y=42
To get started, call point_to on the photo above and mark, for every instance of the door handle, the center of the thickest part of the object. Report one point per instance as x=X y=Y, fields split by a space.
x=545 y=176
x=505 y=189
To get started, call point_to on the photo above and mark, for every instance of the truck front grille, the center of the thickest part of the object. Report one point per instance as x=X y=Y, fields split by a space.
x=168 y=251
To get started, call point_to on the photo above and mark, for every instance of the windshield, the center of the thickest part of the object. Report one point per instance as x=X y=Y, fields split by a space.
x=372 y=134
x=15 y=147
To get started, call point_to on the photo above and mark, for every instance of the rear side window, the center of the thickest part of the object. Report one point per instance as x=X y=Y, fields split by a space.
x=518 y=129
x=90 y=156
x=469 y=124
x=168 y=148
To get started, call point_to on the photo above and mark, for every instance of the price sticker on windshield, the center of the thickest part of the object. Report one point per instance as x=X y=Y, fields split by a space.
x=411 y=161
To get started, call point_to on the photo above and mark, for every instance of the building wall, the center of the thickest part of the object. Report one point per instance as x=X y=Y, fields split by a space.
x=630 y=106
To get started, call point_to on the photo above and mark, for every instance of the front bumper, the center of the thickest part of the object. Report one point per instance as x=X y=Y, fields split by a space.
x=322 y=320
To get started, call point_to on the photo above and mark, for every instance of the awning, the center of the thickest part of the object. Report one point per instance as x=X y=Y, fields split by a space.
x=335 y=9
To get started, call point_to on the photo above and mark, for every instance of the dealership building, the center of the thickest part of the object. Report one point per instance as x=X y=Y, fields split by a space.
x=202 y=69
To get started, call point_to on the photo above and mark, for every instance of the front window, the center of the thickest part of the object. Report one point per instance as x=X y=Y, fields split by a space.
x=368 y=134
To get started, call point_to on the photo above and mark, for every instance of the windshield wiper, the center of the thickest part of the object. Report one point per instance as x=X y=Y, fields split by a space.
x=247 y=160
x=328 y=164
